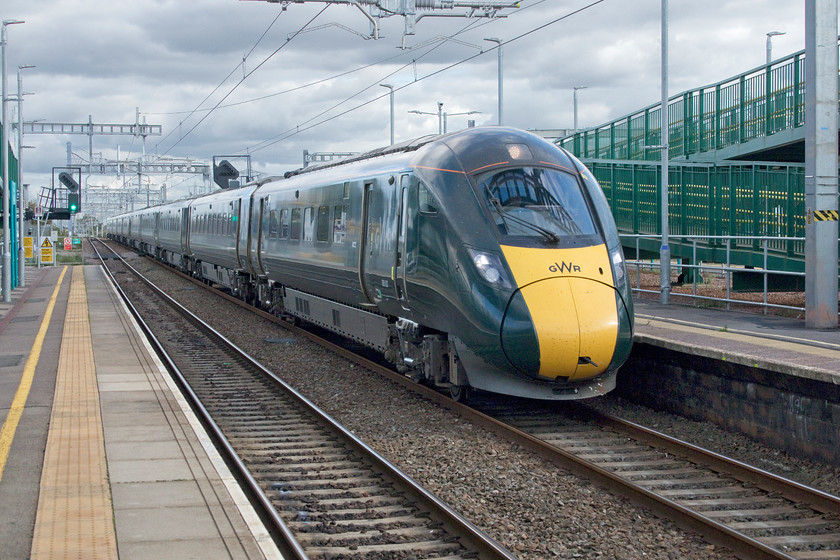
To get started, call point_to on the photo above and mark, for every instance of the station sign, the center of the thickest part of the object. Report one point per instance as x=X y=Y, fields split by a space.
x=47 y=254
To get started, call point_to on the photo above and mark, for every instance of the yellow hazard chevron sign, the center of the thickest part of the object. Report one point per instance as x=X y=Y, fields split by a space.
x=825 y=215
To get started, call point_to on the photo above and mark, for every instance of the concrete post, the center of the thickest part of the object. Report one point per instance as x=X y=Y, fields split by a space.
x=821 y=127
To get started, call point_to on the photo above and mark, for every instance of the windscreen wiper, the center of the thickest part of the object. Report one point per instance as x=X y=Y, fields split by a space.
x=497 y=205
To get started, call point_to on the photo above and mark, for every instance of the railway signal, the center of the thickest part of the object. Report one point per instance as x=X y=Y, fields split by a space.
x=73 y=205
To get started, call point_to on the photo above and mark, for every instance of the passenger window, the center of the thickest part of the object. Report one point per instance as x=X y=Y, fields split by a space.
x=323 y=224
x=284 y=224
x=427 y=202
x=295 y=230
x=339 y=224
x=308 y=223
x=273 y=229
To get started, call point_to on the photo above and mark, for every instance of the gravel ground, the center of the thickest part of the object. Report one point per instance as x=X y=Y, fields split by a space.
x=530 y=506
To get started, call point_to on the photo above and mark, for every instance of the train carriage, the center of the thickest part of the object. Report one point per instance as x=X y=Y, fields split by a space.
x=486 y=258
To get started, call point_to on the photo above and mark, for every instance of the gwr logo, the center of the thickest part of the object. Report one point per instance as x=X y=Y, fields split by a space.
x=564 y=267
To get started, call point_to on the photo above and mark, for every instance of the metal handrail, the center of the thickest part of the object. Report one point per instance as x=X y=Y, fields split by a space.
x=726 y=268
x=757 y=103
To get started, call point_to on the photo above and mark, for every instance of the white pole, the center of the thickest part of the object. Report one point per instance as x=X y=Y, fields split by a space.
x=575 y=99
x=21 y=194
x=501 y=93
x=821 y=60
x=665 y=249
x=770 y=36
x=391 y=91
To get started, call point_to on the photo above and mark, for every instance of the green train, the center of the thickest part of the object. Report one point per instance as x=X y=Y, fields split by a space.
x=486 y=258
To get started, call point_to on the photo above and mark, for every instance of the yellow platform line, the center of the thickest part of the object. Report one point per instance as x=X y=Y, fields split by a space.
x=75 y=514
x=7 y=432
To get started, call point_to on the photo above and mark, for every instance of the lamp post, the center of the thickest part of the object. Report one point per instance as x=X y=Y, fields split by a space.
x=439 y=115
x=770 y=36
x=574 y=97
x=21 y=194
x=391 y=88
x=501 y=97
x=4 y=146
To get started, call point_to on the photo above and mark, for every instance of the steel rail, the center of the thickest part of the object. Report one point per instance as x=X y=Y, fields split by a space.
x=480 y=541
x=767 y=481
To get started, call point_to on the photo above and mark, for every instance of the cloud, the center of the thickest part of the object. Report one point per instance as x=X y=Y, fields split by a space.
x=320 y=91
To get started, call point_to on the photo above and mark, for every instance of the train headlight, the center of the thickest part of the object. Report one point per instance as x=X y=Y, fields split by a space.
x=489 y=266
x=619 y=269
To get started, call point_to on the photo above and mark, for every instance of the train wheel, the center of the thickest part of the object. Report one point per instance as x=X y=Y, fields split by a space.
x=459 y=393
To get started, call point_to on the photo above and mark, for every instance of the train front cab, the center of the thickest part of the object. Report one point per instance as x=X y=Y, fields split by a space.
x=569 y=320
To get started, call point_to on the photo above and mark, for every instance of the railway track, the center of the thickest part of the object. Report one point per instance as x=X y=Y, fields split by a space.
x=750 y=511
x=324 y=493
x=754 y=513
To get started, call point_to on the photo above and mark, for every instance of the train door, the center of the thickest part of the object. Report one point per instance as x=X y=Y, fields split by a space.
x=185 y=230
x=236 y=210
x=157 y=230
x=363 y=249
x=244 y=234
x=257 y=237
x=379 y=244
x=400 y=253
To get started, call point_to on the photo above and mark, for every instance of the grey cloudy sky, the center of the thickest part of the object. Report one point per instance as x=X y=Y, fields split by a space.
x=321 y=90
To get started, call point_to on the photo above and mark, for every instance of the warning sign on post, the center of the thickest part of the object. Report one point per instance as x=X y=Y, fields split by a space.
x=28 y=247
x=68 y=243
x=47 y=254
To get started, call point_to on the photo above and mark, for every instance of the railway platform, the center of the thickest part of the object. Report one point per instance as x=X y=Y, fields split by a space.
x=778 y=344
x=100 y=456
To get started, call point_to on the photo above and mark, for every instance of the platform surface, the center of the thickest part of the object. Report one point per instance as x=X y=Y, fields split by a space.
x=106 y=460
x=773 y=343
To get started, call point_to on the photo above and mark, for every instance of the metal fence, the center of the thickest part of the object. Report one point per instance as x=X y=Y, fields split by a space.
x=698 y=273
x=741 y=202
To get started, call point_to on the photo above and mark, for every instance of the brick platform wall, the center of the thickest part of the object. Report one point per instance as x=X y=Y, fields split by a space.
x=798 y=415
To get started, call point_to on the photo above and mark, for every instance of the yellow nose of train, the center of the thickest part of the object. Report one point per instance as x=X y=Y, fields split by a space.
x=563 y=319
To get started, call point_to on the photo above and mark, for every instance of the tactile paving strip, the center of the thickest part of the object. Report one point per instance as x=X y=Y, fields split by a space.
x=75 y=515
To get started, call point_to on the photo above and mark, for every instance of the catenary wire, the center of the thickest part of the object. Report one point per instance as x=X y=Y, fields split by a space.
x=225 y=79
x=299 y=128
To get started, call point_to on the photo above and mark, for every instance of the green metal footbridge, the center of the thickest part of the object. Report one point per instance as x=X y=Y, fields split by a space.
x=736 y=172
